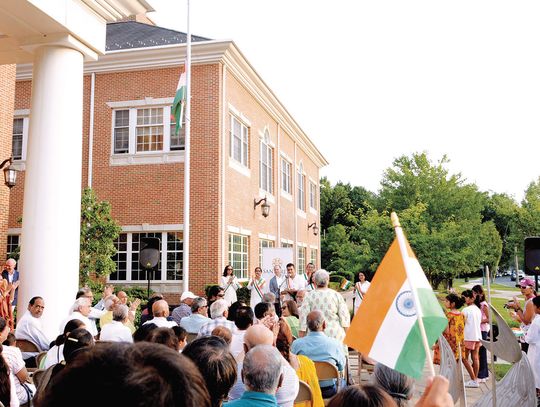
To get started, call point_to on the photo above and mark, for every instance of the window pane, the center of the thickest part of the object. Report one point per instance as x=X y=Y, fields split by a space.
x=17 y=140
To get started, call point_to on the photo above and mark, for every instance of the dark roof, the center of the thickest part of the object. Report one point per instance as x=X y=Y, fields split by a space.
x=131 y=34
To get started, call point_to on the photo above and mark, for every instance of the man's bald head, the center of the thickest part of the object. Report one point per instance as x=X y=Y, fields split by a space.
x=315 y=321
x=258 y=335
x=160 y=308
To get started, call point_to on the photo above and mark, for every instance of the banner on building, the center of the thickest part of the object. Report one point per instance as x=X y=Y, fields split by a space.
x=272 y=256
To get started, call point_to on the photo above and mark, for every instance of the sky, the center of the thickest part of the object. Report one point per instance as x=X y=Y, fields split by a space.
x=369 y=81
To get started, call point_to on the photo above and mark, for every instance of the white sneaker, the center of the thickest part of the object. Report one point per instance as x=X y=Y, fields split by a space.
x=483 y=380
x=472 y=384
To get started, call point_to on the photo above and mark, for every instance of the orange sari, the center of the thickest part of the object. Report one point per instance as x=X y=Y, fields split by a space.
x=5 y=303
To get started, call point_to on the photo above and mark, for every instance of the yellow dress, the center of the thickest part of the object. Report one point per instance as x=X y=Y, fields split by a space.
x=307 y=373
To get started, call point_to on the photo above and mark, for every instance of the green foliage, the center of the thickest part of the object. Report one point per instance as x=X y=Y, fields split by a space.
x=342 y=274
x=243 y=294
x=98 y=233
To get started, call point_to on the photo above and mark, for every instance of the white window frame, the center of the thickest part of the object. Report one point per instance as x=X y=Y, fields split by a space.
x=132 y=156
x=312 y=196
x=266 y=151
x=163 y=259
x=313 y=256
x=243 y=139
x=286 y=176
x=264 y=243
x=241 y=272
x=301 y=189
x=24 y=115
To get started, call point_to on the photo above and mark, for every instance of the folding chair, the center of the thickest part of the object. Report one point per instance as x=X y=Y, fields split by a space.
x=304 y=394
x=327 y=371
x=27 y=346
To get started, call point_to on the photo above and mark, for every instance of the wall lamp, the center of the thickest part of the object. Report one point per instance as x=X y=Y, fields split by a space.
x=315 y=228
x=10 y=173
x=265 y=207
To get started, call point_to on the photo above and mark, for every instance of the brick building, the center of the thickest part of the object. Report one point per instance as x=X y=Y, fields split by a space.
x=244 y=146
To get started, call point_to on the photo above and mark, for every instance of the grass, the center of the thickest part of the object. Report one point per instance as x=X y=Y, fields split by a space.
x=459 y=284
x=501 y=369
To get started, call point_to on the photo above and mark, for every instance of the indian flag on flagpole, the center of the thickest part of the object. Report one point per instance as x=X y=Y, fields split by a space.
x=177 y=110
x=345 y=284
x=386 y=327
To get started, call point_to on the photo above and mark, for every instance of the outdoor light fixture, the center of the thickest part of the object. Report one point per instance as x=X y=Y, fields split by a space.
x=10 y=173
x=315 y=228
x=265 y=207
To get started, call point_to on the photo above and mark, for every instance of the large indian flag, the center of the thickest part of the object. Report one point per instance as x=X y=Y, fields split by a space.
x=386 y=326
x=177 y=110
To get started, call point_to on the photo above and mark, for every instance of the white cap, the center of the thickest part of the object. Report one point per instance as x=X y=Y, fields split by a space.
x=187 y=294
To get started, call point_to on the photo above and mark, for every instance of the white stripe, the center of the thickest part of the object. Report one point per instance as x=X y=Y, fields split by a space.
x=416 y=274
x=392 y=334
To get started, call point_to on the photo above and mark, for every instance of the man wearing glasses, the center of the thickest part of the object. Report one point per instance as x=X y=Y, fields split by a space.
x=198 y=317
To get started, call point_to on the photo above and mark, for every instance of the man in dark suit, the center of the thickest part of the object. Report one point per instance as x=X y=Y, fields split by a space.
x=275 y=287
x=12 y=276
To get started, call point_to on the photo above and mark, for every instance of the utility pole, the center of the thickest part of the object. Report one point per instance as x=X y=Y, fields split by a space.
x=516 y=260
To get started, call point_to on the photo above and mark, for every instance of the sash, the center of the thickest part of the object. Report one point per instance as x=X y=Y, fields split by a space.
x=288 y=279
x=228 y=285
x=257 y=285
x=358 y=291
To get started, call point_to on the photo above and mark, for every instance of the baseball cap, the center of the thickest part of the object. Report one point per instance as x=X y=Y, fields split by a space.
x=526 y=282
x=187 y=294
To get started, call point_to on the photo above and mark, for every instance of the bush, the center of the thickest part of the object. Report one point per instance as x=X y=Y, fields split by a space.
x=243 y=294
x=345 y=274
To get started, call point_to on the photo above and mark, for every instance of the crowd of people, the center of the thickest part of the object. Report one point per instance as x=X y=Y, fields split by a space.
x=210 y=350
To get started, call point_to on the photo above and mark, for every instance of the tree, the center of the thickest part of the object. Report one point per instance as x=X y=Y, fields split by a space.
x=98 y=233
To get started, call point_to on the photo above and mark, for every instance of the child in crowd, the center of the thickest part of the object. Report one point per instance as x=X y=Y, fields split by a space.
x=454 y=332
x=472 y=334
x=533 y=339
x=481 y=303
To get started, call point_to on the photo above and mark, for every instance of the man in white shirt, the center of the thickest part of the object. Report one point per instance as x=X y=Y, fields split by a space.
x=293 y=283
x=160 y=310
x=81 y=310
x=198 y=317
x=219 y=311
x=116 y=331
x=243 y=320
x=30 y=327
x=286 y=394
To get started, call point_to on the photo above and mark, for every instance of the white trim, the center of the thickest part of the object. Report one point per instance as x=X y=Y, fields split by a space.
x=286 y=195
x=301 y=213
x=238 y=230
x=14 y=231
x=286 y=156
x=286 y=241
x=245 y=232
x=267 y=237
x=21 y=113
x=233 y=229
x=147 y=158
x=265 y=194
x=312 y=210
x=312 y=247
x=240 y=115
x=147 y=101
x=239 y=167
x=301 y=244
x=145 y=227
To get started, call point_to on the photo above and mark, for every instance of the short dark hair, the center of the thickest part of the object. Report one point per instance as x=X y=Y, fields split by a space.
x=134 y=372
x=216 y=363
x=456 y=299
x=164 y=336
x=467 y=294
x=244 y=318
x=214 y=290
x=261 y=309
x=289 y=265
x=180 y=332
x=367 y=395
x=34 y=299
x=142 y=332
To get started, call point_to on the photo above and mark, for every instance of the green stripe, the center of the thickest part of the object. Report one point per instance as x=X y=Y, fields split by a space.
x=412 y=357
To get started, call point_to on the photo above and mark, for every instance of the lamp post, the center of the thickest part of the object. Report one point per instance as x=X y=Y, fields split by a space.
x=315 y=228
x=10 y=173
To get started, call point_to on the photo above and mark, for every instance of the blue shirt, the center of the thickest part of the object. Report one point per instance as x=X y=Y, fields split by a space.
x=194 y=322
x=253 y=399
x=320 y=348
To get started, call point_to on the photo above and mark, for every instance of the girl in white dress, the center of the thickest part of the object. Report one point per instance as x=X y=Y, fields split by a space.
x=256 y=285
x=230 y=284
x=360 y=289
x=533 y=339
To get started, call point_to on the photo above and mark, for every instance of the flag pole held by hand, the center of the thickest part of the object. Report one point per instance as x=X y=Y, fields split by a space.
x=403 y=249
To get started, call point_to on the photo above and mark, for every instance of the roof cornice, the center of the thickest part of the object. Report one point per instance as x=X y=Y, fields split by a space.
x=204 y=52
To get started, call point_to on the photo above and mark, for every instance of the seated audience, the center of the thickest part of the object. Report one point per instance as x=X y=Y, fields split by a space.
x=289 y=312
x=97 y=311
x=218 y=311
x=320 y=348
x=116 y=330
x=262 y=376
x=243 y=320
x=261 y=335
x=223 y=333
x=216 y=364
x=181 y=334
x=7 y=384
x=233 y=308
x=303 y=366
x=215 y=293
x=184 y=309
x=399 y=386
x=141 y=334
x=367 y=395
x=160 y=311
x=138 y=375
x=81 y=310
x=30 y=327
x=198 y=317
x=56 y=353
x=108 y=304
x=146 y=313
x=164 y=336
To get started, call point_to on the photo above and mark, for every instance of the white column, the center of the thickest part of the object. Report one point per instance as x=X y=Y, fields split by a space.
x=49 y=263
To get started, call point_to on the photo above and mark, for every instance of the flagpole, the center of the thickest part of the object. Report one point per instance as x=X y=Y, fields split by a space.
x=187 y=152
x=492 y=354
x=403 y=249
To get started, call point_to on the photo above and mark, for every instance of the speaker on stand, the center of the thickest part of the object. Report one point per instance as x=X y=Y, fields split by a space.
x=532 y=257
x=149 y=258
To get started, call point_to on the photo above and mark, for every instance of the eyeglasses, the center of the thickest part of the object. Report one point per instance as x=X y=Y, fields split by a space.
x=284 y=307
x=221 y=295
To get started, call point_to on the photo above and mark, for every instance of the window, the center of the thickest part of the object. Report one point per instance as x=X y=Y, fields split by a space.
x=301 y=202
x=312 y=195
x=17 y=142
x=285 y=244
x=262 y=244
x=238 y=254
x=313 y=257
x=12 y=244
x=239 y=142
x=301 y=261
x=286 y=176
x=145 y=130
x=127 y=257
x=265 y=165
